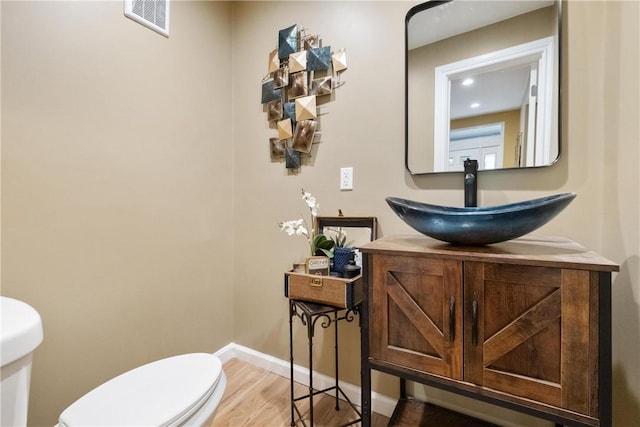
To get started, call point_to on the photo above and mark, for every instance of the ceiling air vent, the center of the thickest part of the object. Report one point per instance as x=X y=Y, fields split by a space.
x=153 y=14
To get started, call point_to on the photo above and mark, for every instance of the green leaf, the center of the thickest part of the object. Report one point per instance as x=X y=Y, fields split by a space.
x=327 y=253
x=325 y=244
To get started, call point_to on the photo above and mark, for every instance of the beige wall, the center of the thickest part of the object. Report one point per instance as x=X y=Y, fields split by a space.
x=116 y=187
x=124 y=242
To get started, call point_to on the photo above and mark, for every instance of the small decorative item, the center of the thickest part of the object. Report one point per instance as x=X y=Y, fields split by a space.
x=319 y=244
x=291 y=69
x=343 y=252
x=351 y=270
x=318 y=265
x=341 y=257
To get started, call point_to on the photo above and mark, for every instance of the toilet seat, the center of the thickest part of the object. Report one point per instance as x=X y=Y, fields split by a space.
x=162 y=393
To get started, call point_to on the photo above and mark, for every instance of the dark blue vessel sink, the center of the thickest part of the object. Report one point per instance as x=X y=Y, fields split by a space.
x=482 y=225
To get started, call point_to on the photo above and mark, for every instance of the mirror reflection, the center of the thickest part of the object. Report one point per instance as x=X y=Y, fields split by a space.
x=482 y=83
x=359 y=230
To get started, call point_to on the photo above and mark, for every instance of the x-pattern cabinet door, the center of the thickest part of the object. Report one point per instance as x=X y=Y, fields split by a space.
x=527 y=333
x=417 y=302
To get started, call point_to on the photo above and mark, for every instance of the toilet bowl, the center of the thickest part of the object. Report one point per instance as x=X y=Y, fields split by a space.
x=179 y=390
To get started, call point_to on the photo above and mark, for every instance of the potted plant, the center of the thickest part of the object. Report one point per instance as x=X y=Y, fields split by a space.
x=319 y=244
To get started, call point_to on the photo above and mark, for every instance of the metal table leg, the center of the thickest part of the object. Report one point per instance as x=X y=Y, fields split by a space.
x=309 y=314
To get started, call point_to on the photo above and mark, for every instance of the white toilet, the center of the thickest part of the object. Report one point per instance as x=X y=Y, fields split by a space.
x=20 y=334
x=179 y=390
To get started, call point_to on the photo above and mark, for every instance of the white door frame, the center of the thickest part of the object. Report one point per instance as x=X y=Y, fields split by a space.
x=541 y=50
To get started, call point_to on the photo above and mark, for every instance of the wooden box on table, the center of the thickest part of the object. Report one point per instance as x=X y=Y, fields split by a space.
x=329 y=290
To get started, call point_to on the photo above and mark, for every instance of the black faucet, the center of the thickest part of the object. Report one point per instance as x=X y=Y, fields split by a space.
x=470 y=183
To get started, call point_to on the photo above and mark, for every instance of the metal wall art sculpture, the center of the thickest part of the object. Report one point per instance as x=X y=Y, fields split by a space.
x=300 y=70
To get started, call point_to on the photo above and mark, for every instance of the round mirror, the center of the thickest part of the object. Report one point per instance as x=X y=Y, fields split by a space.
x=482 y=82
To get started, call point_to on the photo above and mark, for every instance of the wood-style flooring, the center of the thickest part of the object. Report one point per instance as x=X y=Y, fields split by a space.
x=257 y=397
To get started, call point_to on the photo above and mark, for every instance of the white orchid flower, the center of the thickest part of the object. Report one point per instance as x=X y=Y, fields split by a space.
x=311 y=202
x=302 y=231
x=296 y=227
x=299 y=227
x=289 y=227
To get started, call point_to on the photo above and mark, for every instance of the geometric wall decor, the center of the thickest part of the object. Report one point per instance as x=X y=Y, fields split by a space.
x=301 y=74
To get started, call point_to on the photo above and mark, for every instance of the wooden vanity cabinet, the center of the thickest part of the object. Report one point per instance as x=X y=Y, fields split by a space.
x=525 y=324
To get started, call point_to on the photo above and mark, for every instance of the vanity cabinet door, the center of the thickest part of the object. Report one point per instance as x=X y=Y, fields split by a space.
x=530 y=331
x=416 y=305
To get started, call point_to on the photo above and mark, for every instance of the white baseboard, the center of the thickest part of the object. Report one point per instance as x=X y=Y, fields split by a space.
x=380 y=403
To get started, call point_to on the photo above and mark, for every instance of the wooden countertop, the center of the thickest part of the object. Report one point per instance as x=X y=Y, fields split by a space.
x=529 y=250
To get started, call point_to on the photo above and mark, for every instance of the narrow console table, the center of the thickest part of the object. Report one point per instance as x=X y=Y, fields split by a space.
x=309 y=314
x=524 y=324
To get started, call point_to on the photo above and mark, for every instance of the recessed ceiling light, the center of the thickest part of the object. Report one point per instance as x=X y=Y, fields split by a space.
x=467 y=82
x=475 y=105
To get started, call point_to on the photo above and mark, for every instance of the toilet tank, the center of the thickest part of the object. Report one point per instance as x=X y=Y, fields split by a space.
x=20 y=334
